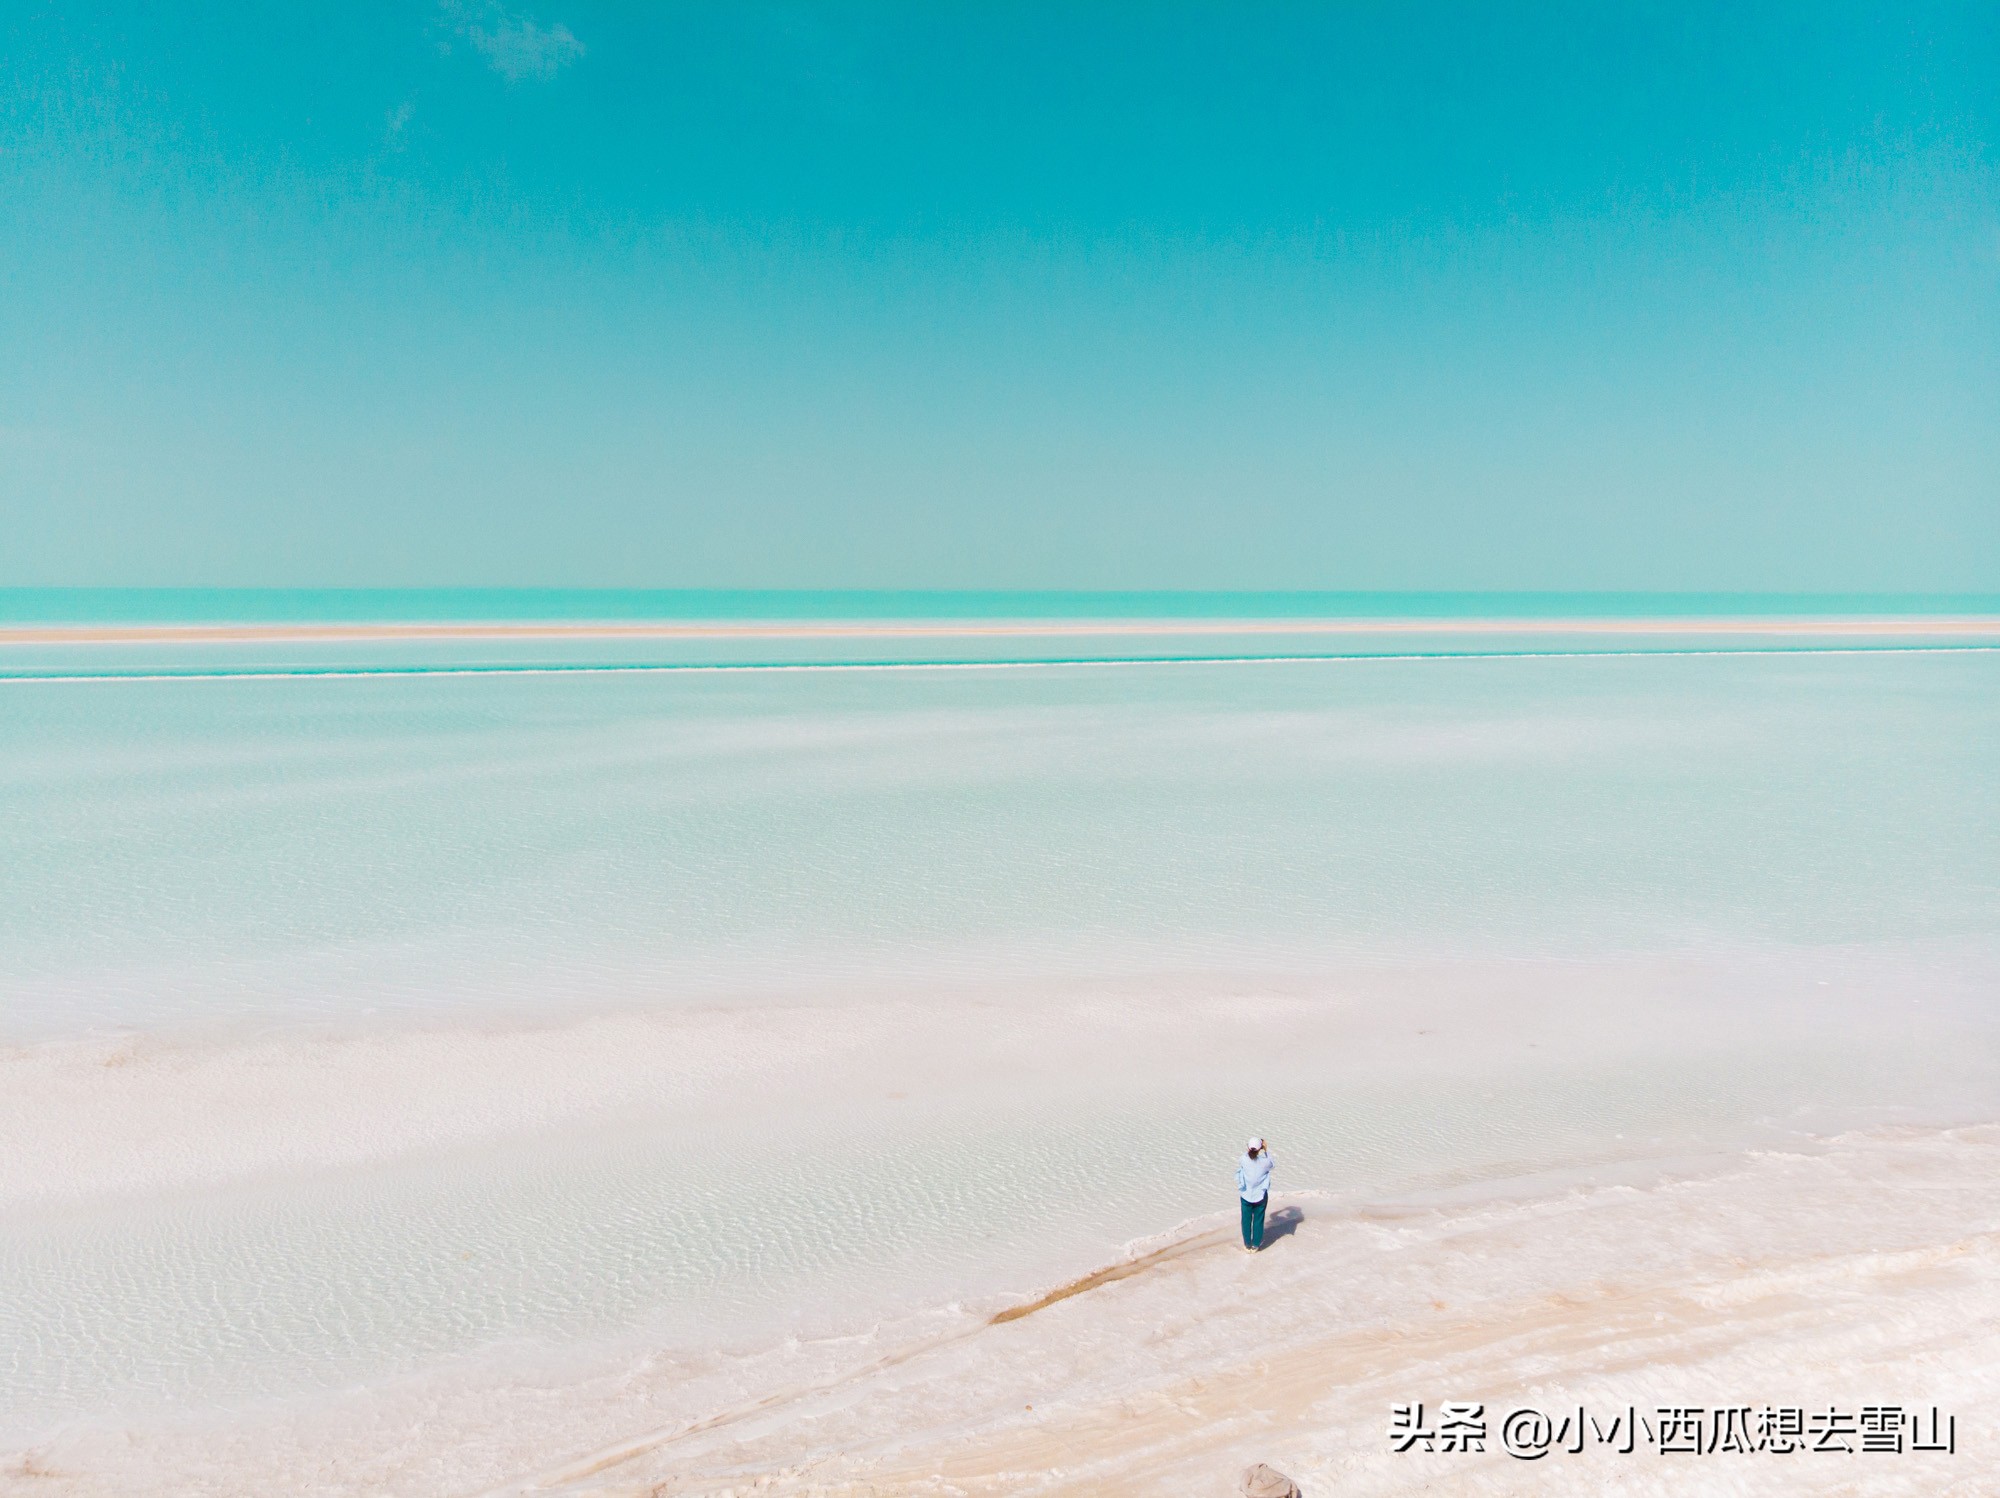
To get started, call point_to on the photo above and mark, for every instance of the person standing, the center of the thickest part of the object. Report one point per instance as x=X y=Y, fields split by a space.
x=1253 y=1184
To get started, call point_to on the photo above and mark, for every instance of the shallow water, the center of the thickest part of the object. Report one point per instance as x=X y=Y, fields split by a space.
x=363 y=1025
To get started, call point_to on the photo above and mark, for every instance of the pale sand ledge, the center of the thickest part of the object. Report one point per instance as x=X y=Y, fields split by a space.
x=1979 y=626
x=1868 y=1272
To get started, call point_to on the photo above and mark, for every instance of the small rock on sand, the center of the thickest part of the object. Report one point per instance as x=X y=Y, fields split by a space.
x=1261 y=1481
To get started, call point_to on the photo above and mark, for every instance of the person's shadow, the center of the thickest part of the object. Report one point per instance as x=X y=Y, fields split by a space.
x=1282 y=1224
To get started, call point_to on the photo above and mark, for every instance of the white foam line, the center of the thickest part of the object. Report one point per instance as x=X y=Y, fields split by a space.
x=392 y=672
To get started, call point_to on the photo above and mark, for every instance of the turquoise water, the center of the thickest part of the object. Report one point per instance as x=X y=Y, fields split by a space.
x=357 y=1026
x=263 y=847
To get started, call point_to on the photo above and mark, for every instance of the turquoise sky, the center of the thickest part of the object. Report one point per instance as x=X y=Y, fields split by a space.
x=1147 y=296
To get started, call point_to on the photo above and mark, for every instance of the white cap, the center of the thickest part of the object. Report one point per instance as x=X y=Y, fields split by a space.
x=1257 y=1142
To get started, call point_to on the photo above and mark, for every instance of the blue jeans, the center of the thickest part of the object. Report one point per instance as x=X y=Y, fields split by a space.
x=1253 y=1224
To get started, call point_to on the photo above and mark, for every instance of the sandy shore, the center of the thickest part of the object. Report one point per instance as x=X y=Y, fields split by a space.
x=1865 y=1273
x=1863 y=1276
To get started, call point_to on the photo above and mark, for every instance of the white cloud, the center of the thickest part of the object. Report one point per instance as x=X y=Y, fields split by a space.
x=516 y=46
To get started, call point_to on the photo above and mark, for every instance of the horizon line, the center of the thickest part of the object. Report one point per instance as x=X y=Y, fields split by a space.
x=355 y=673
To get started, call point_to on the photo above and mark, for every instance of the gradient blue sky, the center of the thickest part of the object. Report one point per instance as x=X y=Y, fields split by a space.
x=1236 y=296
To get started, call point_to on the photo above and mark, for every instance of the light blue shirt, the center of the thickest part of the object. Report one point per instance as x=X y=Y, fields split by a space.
x=1253 y=1177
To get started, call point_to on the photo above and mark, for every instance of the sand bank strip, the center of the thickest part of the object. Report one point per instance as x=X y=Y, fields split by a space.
x=1900 y=627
